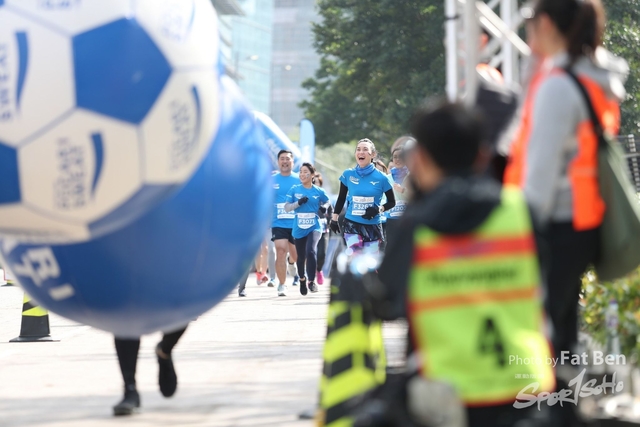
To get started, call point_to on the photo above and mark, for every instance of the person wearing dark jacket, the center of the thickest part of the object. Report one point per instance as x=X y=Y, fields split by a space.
x=463 y=268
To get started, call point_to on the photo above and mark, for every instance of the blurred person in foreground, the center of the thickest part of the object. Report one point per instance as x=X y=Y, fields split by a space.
x=127 y=351
x=463 y=268
x=554 y=155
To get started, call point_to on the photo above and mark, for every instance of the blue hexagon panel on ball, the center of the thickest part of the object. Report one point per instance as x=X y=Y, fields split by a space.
x=119 y=82
x=9 y=179
x=107 y=108
x=177 y=260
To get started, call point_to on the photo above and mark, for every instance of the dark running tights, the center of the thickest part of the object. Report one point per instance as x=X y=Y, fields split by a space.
x=127 y=350
x=306 y=248
x=323 y=244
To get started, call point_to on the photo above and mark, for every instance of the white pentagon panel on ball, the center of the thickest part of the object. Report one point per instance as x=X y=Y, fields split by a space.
x=186 y=31
x=82 y=169
x=72 y=16
x=36 y=77
x=181 y=127
x=28 y=225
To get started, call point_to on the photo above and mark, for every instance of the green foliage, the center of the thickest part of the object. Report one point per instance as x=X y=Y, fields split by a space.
x=594 y=302
x=340 y=156
x=380 y=59
x=623 y=39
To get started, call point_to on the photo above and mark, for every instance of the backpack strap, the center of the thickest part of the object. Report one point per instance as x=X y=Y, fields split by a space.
x=597 y=125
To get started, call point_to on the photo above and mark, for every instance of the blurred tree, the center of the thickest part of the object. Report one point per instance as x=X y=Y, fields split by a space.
x=594 y=302
x=623 y=39
x=380 y=59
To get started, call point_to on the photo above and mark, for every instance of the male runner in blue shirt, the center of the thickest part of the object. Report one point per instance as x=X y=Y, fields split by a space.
x=282 y=223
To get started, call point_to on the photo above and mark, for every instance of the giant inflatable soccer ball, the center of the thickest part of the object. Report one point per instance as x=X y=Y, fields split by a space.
x=276 y=140
x=106 y=108
x=174 y=262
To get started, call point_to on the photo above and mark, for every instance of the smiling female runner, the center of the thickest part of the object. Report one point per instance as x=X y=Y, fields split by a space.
x=306 y=199
x=363 y=187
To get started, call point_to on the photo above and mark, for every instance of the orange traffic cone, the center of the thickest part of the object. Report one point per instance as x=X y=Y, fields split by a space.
x=35 y=323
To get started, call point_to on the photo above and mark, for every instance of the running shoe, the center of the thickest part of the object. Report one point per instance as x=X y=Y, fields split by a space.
x=271 y=284
x=320 y=278
x=282 y=290
x=303 y=285
x=242 y=293
x=129 y=404
x=291 y=268
x=259 y=277
x=313 y=287
x=167 y=379
x=296 y=281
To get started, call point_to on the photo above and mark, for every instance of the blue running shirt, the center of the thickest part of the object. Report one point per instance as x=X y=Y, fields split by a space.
x=281 y=186
x=307 y=219
x=400 y=206
x=363 y=193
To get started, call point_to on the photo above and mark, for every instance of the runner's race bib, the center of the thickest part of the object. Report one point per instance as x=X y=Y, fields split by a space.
x=306 y=220
x=360 y=205
x=398 y=209
x=282 y=214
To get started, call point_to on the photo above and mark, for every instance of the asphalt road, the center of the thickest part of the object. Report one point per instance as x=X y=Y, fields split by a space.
x=251 y=361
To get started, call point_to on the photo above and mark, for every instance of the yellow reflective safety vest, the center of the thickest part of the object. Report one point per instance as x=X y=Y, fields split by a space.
x=353 y=355
x=475 y=308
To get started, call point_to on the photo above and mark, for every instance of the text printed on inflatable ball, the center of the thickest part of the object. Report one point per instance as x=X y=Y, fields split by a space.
x=40 y=265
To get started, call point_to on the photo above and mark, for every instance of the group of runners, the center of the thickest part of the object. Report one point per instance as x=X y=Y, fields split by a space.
x=303 y=215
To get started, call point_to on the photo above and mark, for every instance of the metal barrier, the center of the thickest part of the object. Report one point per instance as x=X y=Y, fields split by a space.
x=632 y=153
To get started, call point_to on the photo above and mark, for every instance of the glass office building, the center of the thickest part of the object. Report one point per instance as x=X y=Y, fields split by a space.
x=249 y=59
x=226 y=44
x=294 y=60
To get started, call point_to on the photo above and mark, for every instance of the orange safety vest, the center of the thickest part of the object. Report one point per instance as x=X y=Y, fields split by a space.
x=588 y=206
